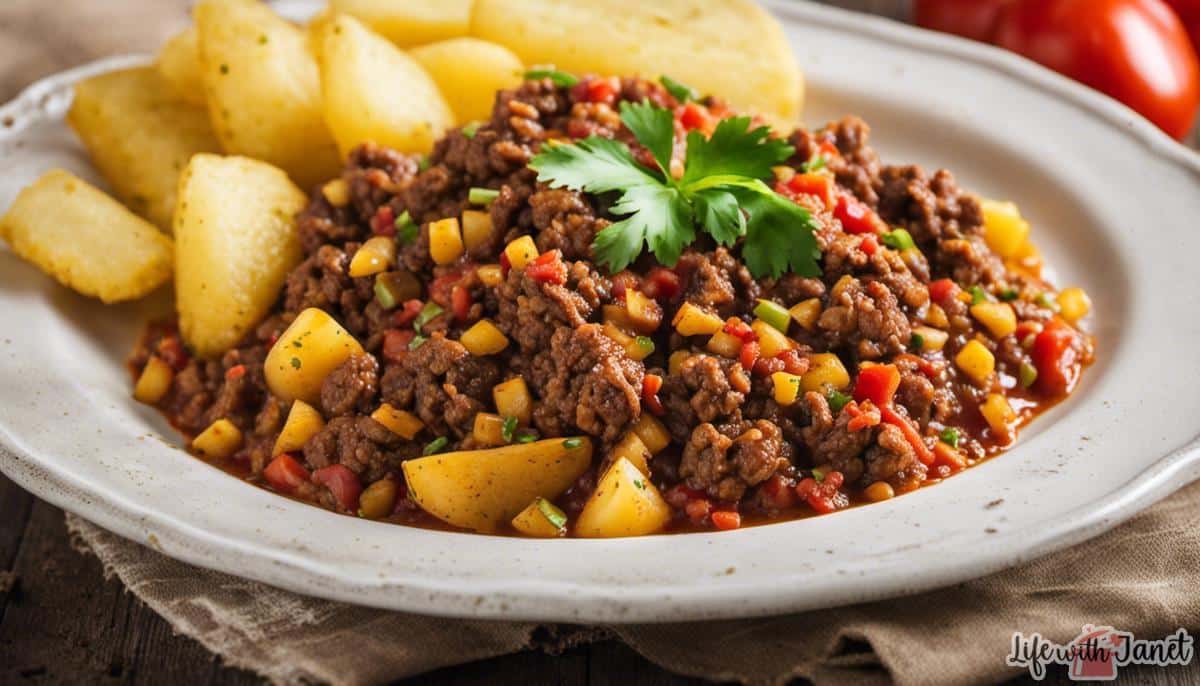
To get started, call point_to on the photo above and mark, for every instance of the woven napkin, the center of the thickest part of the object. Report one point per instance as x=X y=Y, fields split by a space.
x=1140 y=577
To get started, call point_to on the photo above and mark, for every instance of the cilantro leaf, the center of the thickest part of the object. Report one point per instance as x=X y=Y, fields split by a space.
x=594 y=164
x=654 y=127
x=658 y=216
x=734 y=149
x=680 y=91
x=779 y=233
x=718 y=212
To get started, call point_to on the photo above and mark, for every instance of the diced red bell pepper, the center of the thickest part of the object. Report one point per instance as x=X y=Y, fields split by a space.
x=869 y=245
x=407 y=312
x=856 y=217
x=694 y=116
x=662 y=284
x=548 y=268
x=395 y=343
x=740 y=329
x=891 y=416
x=828 y=150
x=285 y=474
x=697 y=509
x=441 y=289
x=862 y=416
x=749 y=355
x=651 y=383
x=946 y=460
x=460 y=303
x=726 y=520
x=170 y=349
x=505 y=263
x=943 y=290
x=342 y=483
x=877 y=383
x=825 y=496
x=384 y=221
x=235 y=372
x=1055 y=353
x=778 y=492
x=816 y=185
x=597 y=90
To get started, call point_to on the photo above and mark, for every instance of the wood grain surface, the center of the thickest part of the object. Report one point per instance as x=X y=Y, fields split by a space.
x=61 y=621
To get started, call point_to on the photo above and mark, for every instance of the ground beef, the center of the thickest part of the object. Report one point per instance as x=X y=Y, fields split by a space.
x=442 y=384
x=866 y=318
x=362 y=444
x=706 y=388
x=892 y=459
x=858 y=166
x=725 y=461
x=352 y=387
x=586 y=382
x=565 y=221
x=530 y=311
x=931 y=209
x=969 y=262
x=717 y=281
x=829 y=440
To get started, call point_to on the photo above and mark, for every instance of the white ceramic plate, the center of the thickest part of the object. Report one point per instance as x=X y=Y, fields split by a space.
x=1114 y=204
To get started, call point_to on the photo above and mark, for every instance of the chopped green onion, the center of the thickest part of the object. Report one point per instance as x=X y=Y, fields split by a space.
x=482 y=196
x=816 y=163
x=645 y=343
x=679 y=91
x=640 y=484
x=917 y=342
x=1047 y=302
x=406 y=229
x=508 y=428
x=423 y=163
x=773 y=314
x=417 y=342
x=950 y=436
x=427 y=313
x=818 y=475
x=435 y=445
x=471 y=128
x=527 y=436
x=1027 y=374
x=1009 y=294
x=552 y=514
x=560 y=78
x=978 y=295
x=572 y=443
x=383 y=294
x=899 y=239
x=837 y=401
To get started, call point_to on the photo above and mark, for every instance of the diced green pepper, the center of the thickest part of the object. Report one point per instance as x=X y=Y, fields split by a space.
x=508 y=428
x=482 y=196
x=435 y=446
x=899 y=239
x=645 y=344
x=427 y=314
x=773 y=313
x=837 y=401
x=393 y=288
x=950 y=436
x=978 y=295
x=406 y=229
x=552 y=514
x=1027 y=374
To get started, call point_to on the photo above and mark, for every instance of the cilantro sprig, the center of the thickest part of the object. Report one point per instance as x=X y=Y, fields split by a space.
x=721 y=193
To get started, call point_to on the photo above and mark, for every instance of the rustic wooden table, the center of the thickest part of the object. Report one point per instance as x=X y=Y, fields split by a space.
x=61 y=621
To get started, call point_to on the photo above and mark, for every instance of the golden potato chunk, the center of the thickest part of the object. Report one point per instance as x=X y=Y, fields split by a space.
x=236 y=243
x=263 y=89
x=625 y=503
x=140 y=136
x=179 y=65
x=410 y=22
x=730 y=48
x=469 y=71
x=85 y=239
x=312 y=346
x=375 y=92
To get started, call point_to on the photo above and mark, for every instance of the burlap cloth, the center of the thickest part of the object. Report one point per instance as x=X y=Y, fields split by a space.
x=1141 y=577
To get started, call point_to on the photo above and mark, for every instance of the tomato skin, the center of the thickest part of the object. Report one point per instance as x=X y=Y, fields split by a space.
x=285 y=473
x=973 y=19
x=342 y=483
x=1136 y=51
x=1055 y=353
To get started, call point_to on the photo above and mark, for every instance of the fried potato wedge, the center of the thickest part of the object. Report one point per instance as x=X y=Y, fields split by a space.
x=263 y=89
x=86 y=240
x=410 y=22
x=140 y=136
x=179 y=64
x=375 y=92
x=235 y=243
x=730 y=48
x=469 y=71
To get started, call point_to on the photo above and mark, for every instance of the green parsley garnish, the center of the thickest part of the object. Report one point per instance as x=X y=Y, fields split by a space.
x=640 y=484
x=917 y=341
x=471 y=128
x=552 y=514
x=435 y=445
x=507 y=429
x=950 y=436
x=482 y=196
x=406 y=229
x=837 y=401
x=899 y=239
x=572 y=443
x=721 y=193
x=560 y=78
x=679 y=91
x=427 y=313
x=978 y=295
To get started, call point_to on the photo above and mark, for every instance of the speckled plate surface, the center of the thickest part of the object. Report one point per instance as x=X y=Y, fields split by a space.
x=1114 y=204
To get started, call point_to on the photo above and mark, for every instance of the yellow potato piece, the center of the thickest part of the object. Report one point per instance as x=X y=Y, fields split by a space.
x=541 y=520
x=410 y=22
x=375 y=92
x=730 y=48
x=236 y=243
x=140 y=136
x=179 y=65
x=313 y=345
x=625 y=503
x=483 y=489
x=303 y=422
x=263 y=89
x=469 y=71
x=86 y=240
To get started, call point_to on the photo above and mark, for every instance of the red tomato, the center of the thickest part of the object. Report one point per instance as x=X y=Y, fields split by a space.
x=1137 y=51
x=877 y=383
x=942 y=290
x=817 y=185
x=548 y=268
x=342 y=483
x=726 y=520
x=395 y=343
x=407 y=312
x=857 y=217
x=968 y=18
x=460 y=303
x=1189 y=13
x=651 y=383
x=285 y=474
x=1055 y=353
x=749 y=355
x=823 y=496
x=662 y=284
x=778 y=492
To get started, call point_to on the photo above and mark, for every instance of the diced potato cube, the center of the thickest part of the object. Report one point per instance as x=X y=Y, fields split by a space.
x=786 y=387
x=220 y=440
x=998 y=413
x=376 y=255
x=263 y=89
x=489 y=429
x=410 y=22
x=236 y=243
x=771 y=341
x=676 y=360
x=616 y=315
x=311 y=347
x=140 y=136
x=1074 y=304
x=86 y=240
x=998 y=318
x=541 y=520
x=639 y=348
x=805 y=313
x=445 y=240
x=469 y=72
x=483 y=338
x=179 y=65
x=378 y=500
x=825 y=372
x=652 y=432
x=633 y=449
x=512 y=399
x=948 y=456
x=691 y=320
x=931 y=339
x=645 y=314
x=521 y=252
x=303 y=422
x=376 y=92
x=724 y=344
x=403 y=424
x=976 y=361
x=625 y=503
x=337 y=192
x=490 y=274
x=935 y=316
x=476 y=228
x=154 y=381
x=1004 y=229
x=483 y=489
x=615 y=333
